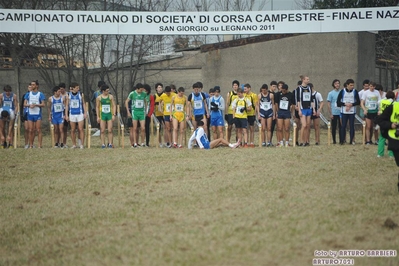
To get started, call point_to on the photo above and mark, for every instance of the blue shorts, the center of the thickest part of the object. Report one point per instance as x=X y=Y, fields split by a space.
x=307 y=112
x=217 y=121
x=34 y=118
x=266 y=114
x=283 y=114
x=57 y=120
x=206 y=145
x=166 y=118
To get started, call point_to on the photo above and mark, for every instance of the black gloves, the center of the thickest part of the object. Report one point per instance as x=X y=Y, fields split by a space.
x=214 y=106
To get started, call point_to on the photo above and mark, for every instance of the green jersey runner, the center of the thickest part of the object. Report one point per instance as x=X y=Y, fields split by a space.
x=139 y=104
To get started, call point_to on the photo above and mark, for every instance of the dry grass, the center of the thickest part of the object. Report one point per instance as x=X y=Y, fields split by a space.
x=262 y=206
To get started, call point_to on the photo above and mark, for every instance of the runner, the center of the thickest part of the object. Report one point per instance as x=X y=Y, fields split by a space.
x=9 y=102
x=365 y=88
x=35 y=100
x=159 y=112
x=369 y=103
x=296 y=117
x=241 y=105
x=267 y=113
x=285 y=107
x=106 y=112
x=129 y=123
x=139 y=107
x=305 y=107
x=217 y=106
x=333 y=110
x=179 y=117
x=56 y=108
x=208 y=103
x=150 y=111
x=64 y=94
x=76 y=114
x=24 y=116
x=197 y=107
x=347 y=100
x=231 y=96
x=252 y=113
x=275 y=87
x=165 y=102
x=203 y=142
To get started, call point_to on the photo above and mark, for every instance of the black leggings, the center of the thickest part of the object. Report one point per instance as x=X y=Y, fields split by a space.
x=334 y=122
x=147 y=130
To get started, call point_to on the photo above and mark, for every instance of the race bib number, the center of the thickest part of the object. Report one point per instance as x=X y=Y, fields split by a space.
x=371 y=105
x=306 y=96
x=139 y=104
x=58 y=107
x=265 y=105
x=198 y=104
x=106 y=108
x=179 y=107
x=8 y=104
x=283 y=105
x=34 y=110
x=74 y=103
x=167 y=107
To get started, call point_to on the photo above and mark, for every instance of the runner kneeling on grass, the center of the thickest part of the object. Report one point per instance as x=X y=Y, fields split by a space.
x=203 y=142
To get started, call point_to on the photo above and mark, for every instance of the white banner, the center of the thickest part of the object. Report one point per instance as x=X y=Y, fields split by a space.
x=196 y=23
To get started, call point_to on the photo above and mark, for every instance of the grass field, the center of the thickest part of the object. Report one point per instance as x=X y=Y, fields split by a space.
x=261 y=206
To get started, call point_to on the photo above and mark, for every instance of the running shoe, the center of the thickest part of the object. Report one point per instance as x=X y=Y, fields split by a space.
x=235 y=145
